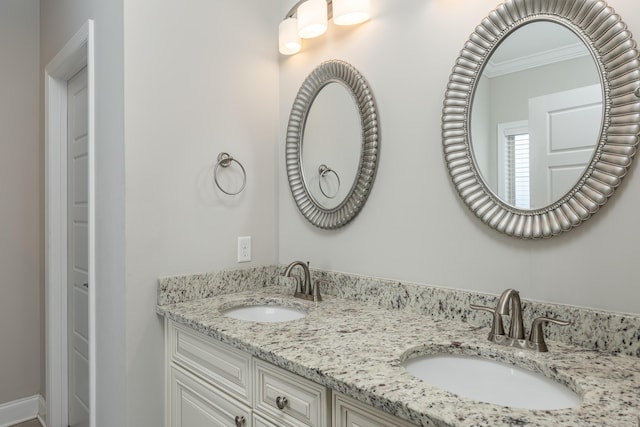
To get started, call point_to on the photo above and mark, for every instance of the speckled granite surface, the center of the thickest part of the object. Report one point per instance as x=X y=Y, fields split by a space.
x=357 y=348
x=189 y=287
x=591 y=329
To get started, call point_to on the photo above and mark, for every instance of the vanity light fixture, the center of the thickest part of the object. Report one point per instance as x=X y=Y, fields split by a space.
x=308 y=19
x=288 y=39
x=312 y=18
x=350 y=12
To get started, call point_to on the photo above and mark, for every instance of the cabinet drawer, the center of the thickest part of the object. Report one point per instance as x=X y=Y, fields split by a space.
x=259 y=421
x=195 y=403
x=348 y=412
x=306 y=402
x=218 y=363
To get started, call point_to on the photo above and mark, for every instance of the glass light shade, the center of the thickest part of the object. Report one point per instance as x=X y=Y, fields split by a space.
x=288 y=39
x=350 y=12
x=312 y=18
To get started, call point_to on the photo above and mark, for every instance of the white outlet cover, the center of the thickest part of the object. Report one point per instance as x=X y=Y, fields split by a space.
x=244 y=248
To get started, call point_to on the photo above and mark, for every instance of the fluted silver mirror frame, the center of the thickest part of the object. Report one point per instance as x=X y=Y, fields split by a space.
x=614 y=51
x=333 y=71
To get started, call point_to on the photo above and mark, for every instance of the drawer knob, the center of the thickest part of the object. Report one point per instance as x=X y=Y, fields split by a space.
x=240 y=421
x=281 y=402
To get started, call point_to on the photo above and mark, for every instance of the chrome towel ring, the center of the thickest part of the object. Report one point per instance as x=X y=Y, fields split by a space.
x=323 y=170
x=224 y=160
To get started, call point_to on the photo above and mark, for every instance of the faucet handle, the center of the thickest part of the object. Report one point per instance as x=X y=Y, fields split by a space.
x=497 y=328
x=316 y=289
x=536 y=336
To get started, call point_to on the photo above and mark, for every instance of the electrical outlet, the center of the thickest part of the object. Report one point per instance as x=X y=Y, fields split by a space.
x=244 y=249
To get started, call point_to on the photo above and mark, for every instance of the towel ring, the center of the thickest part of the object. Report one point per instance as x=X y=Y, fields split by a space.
x=323 y=170
x=224 y=160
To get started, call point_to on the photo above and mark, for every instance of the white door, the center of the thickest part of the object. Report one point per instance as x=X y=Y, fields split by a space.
x=564 y=129
x=78 y=248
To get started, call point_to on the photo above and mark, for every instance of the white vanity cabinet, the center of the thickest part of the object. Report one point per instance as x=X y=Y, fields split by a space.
x=212 y=384
x=348 y=412
x=259 y=421
x=194 y=403
x=209 y=383
x=298 y=401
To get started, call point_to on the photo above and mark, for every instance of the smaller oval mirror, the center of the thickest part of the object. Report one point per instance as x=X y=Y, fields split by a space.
x=332 y=144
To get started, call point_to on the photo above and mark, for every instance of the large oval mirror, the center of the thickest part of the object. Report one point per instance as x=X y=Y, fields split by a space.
x=332 y=144
x=540 y=119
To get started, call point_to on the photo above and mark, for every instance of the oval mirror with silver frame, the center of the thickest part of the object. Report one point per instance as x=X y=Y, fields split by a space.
x=601 y=123
x=332 y=144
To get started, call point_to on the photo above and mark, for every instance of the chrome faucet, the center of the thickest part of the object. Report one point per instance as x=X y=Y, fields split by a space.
x=516 y=328
x=509 y=304
x=306 y=289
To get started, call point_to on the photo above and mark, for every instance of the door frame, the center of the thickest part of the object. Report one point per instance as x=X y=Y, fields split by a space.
x=77 y=53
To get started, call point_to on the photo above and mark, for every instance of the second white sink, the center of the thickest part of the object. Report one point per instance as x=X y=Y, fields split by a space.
x=490 y=381
x=264 y=313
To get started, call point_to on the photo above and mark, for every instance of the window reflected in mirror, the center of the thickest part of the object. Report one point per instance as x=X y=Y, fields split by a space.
x=540 y=84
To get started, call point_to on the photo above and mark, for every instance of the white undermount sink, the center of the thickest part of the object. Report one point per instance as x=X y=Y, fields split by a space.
x=265 y=313
x=490 y=381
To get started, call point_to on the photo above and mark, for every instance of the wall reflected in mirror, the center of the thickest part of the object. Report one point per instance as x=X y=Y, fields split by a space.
x=536 y=115
x=332 y=138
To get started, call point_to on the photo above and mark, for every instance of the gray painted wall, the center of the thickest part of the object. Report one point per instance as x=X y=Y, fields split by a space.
x=197 y=82
x=414 y=226
x=20 y=187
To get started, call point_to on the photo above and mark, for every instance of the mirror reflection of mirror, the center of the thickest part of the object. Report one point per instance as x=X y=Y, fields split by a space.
x=332 y=137
x=536 y=115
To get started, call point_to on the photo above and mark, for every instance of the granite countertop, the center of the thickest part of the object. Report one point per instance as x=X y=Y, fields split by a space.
x=357 y=349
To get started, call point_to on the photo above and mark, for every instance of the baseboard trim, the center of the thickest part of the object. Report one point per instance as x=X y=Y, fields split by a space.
x=42 y=411
x=19 y=410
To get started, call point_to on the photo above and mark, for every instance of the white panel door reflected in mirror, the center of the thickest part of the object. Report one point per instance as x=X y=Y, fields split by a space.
x=536 y=115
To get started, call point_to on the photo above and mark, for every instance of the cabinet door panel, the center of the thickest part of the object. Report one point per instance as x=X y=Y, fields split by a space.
x=222 y=365
x=194 y=403
x=348 y=412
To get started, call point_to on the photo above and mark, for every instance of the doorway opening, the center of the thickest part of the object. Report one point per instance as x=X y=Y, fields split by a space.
x=76 y=55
